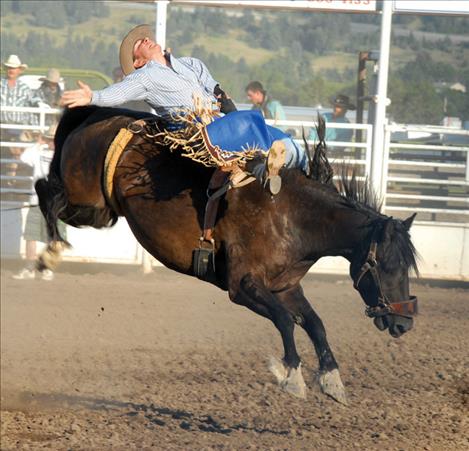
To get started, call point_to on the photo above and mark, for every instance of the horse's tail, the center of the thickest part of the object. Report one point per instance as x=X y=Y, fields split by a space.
x=52 y=201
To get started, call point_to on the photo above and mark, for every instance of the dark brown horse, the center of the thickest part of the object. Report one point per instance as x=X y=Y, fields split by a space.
x=264 y=245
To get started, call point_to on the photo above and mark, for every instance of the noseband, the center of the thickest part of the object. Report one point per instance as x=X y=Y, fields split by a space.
x=384 y=307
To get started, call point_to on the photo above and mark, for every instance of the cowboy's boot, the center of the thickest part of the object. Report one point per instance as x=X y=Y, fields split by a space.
x=275 y=161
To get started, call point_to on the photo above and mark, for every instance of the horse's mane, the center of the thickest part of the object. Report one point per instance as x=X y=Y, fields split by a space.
x=358 y=194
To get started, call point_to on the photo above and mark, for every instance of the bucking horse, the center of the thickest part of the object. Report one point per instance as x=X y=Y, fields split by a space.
x=264 y=245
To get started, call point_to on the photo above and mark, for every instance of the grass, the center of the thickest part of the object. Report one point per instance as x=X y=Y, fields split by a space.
x=230 y=47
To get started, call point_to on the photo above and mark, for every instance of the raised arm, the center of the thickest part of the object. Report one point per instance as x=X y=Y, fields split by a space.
x=131 y=88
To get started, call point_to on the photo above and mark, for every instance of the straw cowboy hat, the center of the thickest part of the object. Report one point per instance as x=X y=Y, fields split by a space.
x=53 y=76
x=14 y=62
x=126 y=56
x=344 y=102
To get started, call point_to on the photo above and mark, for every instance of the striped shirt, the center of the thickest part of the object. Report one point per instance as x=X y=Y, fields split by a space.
x=165 y=88
x=20 y=95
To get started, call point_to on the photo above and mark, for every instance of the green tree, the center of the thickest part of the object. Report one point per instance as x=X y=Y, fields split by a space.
x=415 y=102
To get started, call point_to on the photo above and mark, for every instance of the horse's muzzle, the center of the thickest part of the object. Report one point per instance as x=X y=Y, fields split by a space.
x=400 y=320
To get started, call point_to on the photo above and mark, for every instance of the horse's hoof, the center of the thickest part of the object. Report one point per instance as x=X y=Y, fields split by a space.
x=331 y=385
x=290 y=379
x=278 y=369
x=294 y=383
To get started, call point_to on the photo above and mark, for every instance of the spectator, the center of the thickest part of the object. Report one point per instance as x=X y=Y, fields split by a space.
x=38 y=157
x=15 y=93
x=50 y=91
x=271 y=109
x=341 y=105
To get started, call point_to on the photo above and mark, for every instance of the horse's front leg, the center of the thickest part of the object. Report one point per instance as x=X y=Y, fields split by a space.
x=329 y=376
x=253 y=294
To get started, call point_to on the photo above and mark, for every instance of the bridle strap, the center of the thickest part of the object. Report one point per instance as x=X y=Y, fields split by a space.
x=404 y=308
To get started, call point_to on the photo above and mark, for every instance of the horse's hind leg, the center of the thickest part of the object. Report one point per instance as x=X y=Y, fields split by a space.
x=255 y=296
x=329 y=376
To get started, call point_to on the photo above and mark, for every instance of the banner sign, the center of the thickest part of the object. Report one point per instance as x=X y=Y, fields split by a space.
x=325 y=5
x=458 y=7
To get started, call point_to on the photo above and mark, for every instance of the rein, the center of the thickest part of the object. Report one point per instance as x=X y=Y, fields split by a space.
x=384 y=307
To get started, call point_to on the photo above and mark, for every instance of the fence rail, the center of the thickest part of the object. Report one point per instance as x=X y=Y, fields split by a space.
x=429 y=177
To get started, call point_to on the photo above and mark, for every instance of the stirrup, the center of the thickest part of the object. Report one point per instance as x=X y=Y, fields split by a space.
x=203 y=260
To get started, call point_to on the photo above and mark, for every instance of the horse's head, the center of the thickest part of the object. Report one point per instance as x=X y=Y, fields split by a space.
x=380 y=271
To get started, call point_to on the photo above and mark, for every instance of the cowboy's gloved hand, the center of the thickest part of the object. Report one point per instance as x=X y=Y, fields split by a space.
x=226 y=104
x=77 y=97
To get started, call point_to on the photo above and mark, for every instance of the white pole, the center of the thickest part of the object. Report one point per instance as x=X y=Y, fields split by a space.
x=160 y=32
x=377 y=156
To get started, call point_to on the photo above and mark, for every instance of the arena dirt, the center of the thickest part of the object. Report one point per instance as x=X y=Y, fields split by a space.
x=122 y=362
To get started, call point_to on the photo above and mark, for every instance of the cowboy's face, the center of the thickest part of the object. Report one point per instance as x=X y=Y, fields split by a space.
x=256 y=97
x=51 y=85
x=144 y=51
x=13 y=72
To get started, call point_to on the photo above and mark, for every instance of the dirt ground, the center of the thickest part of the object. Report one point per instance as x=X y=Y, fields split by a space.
x=109 y=361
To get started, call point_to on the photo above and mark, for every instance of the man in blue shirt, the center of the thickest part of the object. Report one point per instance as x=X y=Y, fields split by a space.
x=341 y=105
x=271 y=109
x=169 y=84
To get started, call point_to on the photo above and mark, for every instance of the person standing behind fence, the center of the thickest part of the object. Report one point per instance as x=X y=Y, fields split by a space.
x=341 y=104
x=15 y=93
x=49 y=92
x=271 y=109
x=38 y=157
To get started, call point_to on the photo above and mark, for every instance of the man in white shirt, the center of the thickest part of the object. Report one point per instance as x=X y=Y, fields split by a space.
x=38 y=156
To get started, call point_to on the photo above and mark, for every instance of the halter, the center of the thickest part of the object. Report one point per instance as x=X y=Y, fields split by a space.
x=384 y=307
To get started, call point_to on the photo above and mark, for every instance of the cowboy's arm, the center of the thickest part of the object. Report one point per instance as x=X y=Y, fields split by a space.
x=131 y=88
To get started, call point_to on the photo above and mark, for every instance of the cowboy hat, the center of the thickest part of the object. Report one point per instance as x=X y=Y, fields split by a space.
x=53 y=76
x=126 y=51
x=14 y=62
x=344 y=102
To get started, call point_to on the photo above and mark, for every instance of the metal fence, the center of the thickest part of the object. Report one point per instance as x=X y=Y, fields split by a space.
x=428 y=175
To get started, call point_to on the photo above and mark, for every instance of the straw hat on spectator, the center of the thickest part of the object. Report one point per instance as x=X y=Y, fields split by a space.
x=50 y=132
x=126 y=52
x=53 y=76
x=14 y=62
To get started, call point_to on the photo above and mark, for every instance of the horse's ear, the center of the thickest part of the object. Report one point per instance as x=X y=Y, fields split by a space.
x=408 y=222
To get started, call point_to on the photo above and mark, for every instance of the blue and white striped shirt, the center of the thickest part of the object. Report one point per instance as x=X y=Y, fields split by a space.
x=20 y=95
x=165 y=88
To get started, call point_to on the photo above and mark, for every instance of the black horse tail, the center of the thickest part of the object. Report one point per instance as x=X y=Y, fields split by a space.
x=52 y=201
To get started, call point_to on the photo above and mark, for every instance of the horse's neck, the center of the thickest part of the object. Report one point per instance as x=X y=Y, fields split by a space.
x=343 y=231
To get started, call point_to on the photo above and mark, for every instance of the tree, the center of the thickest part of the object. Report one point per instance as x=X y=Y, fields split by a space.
x=415 y=102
